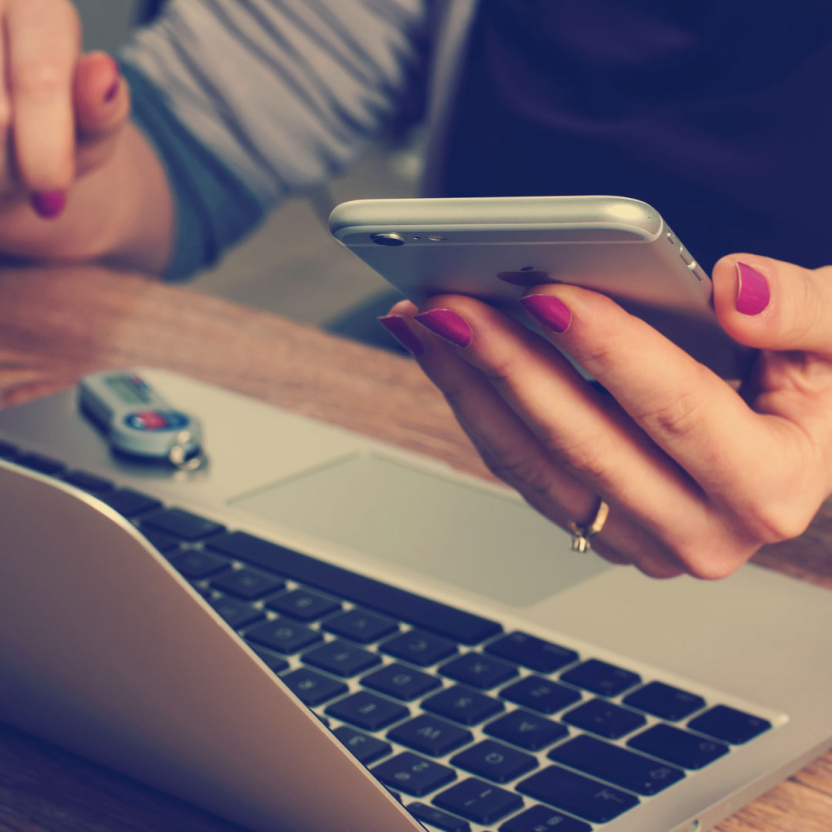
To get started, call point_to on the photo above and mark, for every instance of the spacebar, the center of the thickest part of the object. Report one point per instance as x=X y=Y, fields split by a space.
x=431 y=615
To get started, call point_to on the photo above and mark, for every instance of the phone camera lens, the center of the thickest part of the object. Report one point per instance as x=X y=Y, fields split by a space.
x=388 y=239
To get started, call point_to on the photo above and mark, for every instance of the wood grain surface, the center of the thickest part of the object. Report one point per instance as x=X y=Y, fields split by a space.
x=57 y=324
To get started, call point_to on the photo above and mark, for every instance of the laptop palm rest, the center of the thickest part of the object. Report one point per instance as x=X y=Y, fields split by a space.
x=447 y=529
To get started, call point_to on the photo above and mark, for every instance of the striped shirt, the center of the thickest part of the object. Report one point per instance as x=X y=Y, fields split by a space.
x=251 y=101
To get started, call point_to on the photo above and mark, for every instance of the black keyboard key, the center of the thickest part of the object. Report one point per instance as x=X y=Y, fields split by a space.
x=196 y=564
x=578 y=795
x=601 y=678
x=677 y=746
x=478 y=801
x=419 y=647
x=303 y=605
x=616 y=765
x=42 y=464
x=526 y=730
x=88 y=482
x=341 y=658
x=367 y=711
x=313 y=688
x=129 y=503
x=532 y=652
x=413 y=774
x=182 y=524
x=729 y=724
x=237 y=614
x=247 y=583
x=400 y=682
x=478 y=670
x=494 y=761
x=540 y=694
x=664 y=701
x=358 y=625
x=430 y=735
x=422 y=612
x=604 y=718
x=163 y=542
x=437 y=818
x=463 y=705
x=273 y=662
x=8 y=451
x=542 y=819
x=283 y=635
x=366 y=749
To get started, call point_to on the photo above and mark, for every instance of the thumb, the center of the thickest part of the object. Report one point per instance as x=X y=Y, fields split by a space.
x=773 y=305
x=102 y=99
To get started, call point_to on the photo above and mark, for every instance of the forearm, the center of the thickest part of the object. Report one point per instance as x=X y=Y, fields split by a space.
x=121 y=212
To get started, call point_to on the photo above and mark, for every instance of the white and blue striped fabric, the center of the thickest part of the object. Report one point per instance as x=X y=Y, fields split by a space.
x=279 y=95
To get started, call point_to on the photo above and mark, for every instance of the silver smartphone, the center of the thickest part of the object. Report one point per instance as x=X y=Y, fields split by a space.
x=494 y=248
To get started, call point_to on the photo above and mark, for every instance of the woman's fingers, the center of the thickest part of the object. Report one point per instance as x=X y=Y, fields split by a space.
x=60 y=115
x=43 y=42
x=773 y=305
x=513 y=452
x=584 y=429
x=694 y=416
x=102 y=107
x=592 y=437
x=101 y=96
x=761 y=471
x=503 y=440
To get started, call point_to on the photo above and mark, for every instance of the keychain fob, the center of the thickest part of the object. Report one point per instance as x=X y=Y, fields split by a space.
x=138 y=422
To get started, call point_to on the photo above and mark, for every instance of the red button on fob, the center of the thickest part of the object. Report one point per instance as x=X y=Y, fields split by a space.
x=152 y=420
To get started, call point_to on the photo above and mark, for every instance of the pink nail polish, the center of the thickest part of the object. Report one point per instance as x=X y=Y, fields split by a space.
x=396 y=326
x=112 y=92
x=49 y=204
x=550 y=311
x=752 y=290
x=448 y=325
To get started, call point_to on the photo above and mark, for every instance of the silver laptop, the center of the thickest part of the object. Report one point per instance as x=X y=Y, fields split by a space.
x=318 y=631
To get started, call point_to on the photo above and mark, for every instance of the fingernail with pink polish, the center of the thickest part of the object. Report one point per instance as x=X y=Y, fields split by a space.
x=550 y=311
x=112 y=92
x=49 y=204
x=448 y=325
x=752 y=290
x=396 y=326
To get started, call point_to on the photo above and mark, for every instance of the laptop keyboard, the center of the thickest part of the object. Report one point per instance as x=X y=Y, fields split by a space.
x=470 y=727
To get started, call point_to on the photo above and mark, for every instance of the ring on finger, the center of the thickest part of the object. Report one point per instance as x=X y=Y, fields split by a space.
x=582 y=535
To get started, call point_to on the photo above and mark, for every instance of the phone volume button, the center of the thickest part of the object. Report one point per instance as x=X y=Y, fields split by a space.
x=688 y=260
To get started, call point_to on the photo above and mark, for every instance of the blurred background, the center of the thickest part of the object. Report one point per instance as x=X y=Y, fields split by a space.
x=291 y=265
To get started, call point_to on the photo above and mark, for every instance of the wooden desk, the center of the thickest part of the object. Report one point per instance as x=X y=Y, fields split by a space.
x=56 y=325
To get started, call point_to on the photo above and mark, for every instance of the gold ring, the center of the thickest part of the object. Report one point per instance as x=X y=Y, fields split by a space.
x=582 y=535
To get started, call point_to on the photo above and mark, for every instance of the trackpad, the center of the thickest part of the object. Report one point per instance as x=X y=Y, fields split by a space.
x=435 y=525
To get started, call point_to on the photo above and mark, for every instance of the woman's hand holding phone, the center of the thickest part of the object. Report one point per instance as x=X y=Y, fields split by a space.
x=698 y=476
